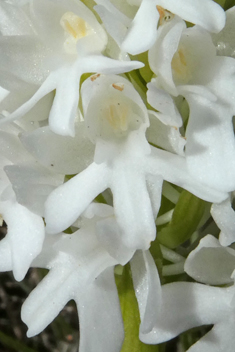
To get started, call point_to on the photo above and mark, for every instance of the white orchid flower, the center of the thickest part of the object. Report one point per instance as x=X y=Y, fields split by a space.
x=116 y=121
x=81 y=268
x=66 y=42
x=138 y=34
x=185 y=62
x=31 y=182
x=25 y=229
x=186 y=305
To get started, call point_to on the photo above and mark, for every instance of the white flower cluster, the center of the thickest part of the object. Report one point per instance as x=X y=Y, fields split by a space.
x=124 y=101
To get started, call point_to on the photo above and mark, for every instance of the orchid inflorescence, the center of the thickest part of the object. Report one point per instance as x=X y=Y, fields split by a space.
x=117 y=121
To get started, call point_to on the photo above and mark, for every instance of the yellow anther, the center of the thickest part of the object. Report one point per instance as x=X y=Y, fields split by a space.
x=119 y=87
x=94 y=77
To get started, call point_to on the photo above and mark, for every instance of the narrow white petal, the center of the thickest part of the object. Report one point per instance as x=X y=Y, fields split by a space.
x=163 y=51
x=147 y=289
x=74 y=261
x=130 y=194
x=102 y=64
x=48 y=86
x=113 y=24
x=65 y=105
x=100 y=319
x=46 y=301
x=154 y=186
x=143 y=30
x=66 y=203
x=173 y=169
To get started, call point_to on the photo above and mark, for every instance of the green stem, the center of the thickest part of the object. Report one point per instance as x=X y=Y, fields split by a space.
x=16 y=345
x=130 y=313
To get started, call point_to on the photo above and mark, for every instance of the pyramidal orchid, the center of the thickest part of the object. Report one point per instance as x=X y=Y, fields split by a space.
x=117 y=173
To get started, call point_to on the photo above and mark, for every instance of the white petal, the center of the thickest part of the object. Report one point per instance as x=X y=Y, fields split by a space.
x=187 y=305
x=163 y=102
x=100 y=319
x=49 y=297
x=154 y=186
x=163 y=136
x=224 y=216
x=66 y=203
x=98 y=209
x=210 y=147
x=110 y=237
x=63 y=112
x=147 y=289
x=97 y=85
x=65 y=104
x=162 y=53
x=211 y=263
x=62 y=154
x=25 y=235
x=75 y=263
x=222 y=81
x=142 y=32
x=224 y=40
x=13 y=21
x=197 y=90
x=48 y=86
x=32 y=185
x=133 y=208
x=206 y=13
x=173 y=169
x=102 y=64
x=3 y=93
x=113 y=10
x=12 y=149
x=22 y=56
x=219 y=338
x=113 y=23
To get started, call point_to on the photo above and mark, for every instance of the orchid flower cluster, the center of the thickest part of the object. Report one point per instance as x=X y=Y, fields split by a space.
x=117 y=121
